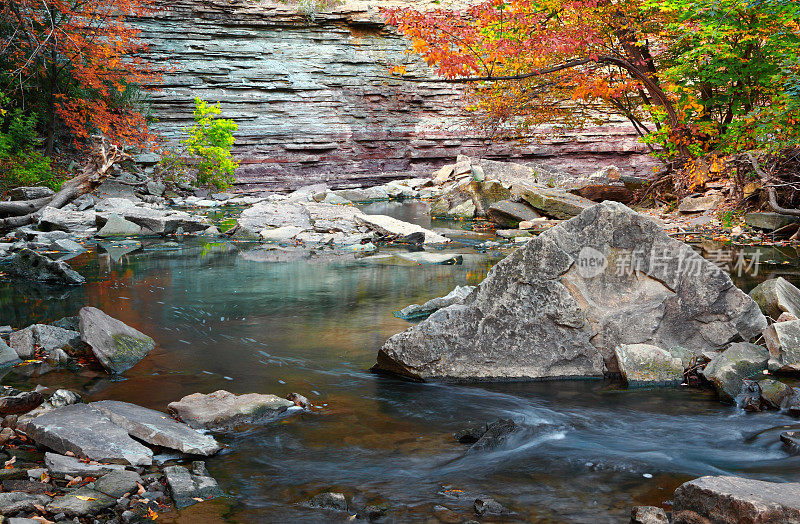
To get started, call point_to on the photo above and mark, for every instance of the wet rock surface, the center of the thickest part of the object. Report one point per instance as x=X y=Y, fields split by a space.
x=728 y=370
x=116 y=345
x=189 y=485
x=417 y=311
x=30 y=266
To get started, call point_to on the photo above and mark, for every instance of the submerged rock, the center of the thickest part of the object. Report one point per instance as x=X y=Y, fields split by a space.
x=29 y=266
x=329 y=500
x=494 y=434
x=646 y=365
x=735 y=499
x=222 y=409
x=156 y=428
x=774 y=392
x=777 y=296
x=648 y=515
x=560 y=305
x=728 y=370
x=416 y=311
x=116 y=345
x=88 y=433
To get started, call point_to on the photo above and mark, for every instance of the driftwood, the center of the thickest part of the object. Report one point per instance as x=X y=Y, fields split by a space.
x=93 y=174
x=772 y=195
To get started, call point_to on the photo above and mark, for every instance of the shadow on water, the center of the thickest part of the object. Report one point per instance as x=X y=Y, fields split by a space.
x=587 y=450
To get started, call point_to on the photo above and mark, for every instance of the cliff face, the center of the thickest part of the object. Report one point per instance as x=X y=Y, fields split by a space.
x=314 y=101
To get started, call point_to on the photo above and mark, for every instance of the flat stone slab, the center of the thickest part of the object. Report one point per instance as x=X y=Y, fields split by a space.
x=187 y=486
x=15 y=502
x=116 y=345
x=30 y=266
x=80 y=503
x=510 y=214
x=156 y=428
x=735 y=499
x=88 y=433
x=555 y=203
x=222 y=409
x=61 y=465
x=768 y=221
x=442 y=259
x=389 y=226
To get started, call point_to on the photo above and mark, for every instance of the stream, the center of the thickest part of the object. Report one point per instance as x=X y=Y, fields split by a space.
x=588 y=452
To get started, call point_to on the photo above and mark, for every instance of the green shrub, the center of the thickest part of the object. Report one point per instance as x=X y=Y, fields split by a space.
x=21 y=163
x=205 y=155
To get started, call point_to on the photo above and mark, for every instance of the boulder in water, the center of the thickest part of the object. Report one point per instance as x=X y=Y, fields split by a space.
x=647 y=365
x=777 y=296
x=222 y=409
x=416 y=311
x=116 y=345
x=783 y=341
x=560 y=305
x=728 y=370
x=29 y=266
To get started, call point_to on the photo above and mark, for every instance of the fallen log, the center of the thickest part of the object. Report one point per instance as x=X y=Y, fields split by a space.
x=92 y=175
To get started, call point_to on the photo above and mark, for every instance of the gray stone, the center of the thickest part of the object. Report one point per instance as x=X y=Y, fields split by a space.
x=783 y=341
x=48 y=338
x=81 y=503
x=509 y=214
x=774 y=392
x=280 y=234
x=156 y=428
x=333 y=198
x=117 y=483
x=116 y=226
x=8 y=357
x=30 y=193
x=391 y=227
x=163 y=222
x=267 y=214
x=560 y=305
x=116 y=345
x=17 y=502
x=83 y=202
x=156 y=188
x=768 y=221
x=367 y=194
x=554 y=203
x=724 y=499
x=464 y=210
x=424 y=257
x=188 y=486
x=700 y=203
x=648 y=515
x=329 y=500
x=646 y=365
x=776 y=296
x=88 y=433
x=731 y=367
x=68 y=245
x=30 y=266
x=61 y=465
x=416 y=311
x=52 y=218
x=222 y=409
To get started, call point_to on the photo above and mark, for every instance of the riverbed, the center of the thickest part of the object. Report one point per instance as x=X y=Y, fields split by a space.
x=223 y=319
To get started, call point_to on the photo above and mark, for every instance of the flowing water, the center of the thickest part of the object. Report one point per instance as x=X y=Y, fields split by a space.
x=225 y=319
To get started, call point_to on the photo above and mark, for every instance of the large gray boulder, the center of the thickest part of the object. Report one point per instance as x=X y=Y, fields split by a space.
x=116 y=226
x=734 y=500
x=115 y=344
x=728 y=370
x=394 y=228
x=54 y=219
x=223 y=410
x=88 y=433
x=776 y=296
x=29 y=266
x=156 y=428
x=560 y=305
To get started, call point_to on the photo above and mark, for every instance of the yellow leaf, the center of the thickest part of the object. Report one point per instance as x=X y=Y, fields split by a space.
x=84 y=497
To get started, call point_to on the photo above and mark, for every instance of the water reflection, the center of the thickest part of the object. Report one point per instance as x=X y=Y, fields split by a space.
x=224 y=319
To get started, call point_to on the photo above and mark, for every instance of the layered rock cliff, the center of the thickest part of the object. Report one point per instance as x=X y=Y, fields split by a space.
x=314 y=100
